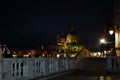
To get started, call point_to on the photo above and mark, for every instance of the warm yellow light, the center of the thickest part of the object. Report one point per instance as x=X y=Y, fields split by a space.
x=111 y=32
x=43 y=54
x=102 y=41
x=14 y=56
x=72 y=55
x=105 y=51
x=58 y=55
x=117 y=39
x=99 y=53
x=26 y=56
x=64 y=55
x=95 y=54
x=29 y=53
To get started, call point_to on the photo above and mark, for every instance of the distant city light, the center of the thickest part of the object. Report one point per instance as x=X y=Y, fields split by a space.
x=26 y=56
x=14 y=56
x=105 y=51
x=72 y=55
x=58 y=55
x=99 y=53
x=42 y=47
x=59 y=51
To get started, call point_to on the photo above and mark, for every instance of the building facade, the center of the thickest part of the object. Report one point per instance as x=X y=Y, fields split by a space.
x=70 y=44
x=117 y=25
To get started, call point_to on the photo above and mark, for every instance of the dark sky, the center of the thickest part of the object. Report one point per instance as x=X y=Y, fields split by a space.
x=37 y=21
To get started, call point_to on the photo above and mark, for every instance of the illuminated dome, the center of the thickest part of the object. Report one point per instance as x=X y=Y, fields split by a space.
x=72 y=36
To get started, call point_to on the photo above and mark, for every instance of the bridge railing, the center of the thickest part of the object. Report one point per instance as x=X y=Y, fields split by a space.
x=92 y=64
x=28 y=68
x=113 y=63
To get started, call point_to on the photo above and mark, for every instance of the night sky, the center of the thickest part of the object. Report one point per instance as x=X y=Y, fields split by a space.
x=31 y=22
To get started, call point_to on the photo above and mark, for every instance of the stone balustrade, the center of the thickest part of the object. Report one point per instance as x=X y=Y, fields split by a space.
x=108 y=64
x=113 y=63
x=28 y=68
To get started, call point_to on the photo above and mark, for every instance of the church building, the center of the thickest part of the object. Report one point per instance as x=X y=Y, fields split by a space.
x=69 y=45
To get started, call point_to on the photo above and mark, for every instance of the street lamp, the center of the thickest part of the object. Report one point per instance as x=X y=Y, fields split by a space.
x=112 y=33
x=102 y=41
x=102 y=46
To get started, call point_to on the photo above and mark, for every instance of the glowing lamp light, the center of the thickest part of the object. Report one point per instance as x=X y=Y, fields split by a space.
x=105 y=52
x=14 y=56
x=99 y=53
x=58 y=55
x=111 y=32
x=102 y=41
x=26 y=56
x=95 y=54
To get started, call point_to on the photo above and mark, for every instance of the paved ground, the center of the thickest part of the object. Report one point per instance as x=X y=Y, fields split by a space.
x=79 y=75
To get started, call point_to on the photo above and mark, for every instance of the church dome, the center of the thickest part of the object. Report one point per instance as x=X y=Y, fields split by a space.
x=72 y=36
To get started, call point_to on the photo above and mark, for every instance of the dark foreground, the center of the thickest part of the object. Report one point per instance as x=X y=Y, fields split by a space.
x=82 y=75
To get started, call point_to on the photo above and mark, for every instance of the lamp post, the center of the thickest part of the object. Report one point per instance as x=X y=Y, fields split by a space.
x=102 y=48
x=112 y=36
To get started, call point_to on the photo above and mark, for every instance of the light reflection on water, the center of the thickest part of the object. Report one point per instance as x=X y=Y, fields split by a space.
x=109 y=78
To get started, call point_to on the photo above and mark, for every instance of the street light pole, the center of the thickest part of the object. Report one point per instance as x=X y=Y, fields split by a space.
x=102 y=47
x=112 y=34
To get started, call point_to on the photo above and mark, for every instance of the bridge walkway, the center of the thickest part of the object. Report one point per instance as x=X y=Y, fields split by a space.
x=83 y=75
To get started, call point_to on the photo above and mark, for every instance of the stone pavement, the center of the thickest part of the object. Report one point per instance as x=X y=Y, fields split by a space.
x=81 y=75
